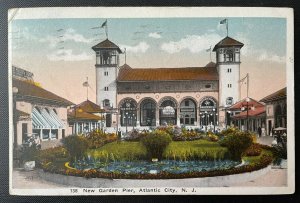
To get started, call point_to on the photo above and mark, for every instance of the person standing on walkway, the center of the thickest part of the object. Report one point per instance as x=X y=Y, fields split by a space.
x=259 y=131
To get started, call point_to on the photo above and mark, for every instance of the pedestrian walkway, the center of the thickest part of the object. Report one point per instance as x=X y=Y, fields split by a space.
x=265 y=140
x=30 y=180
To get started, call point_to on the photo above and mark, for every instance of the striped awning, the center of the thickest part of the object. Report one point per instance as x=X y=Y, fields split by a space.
x=46 y=119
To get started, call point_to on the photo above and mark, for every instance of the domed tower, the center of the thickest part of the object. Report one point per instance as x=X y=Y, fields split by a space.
x=228 y=66
x=107 y=65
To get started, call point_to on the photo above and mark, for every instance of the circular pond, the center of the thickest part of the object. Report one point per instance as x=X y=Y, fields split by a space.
x=144 y=167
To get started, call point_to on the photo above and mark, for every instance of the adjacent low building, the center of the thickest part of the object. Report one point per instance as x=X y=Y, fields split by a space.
x=276 y=110
x=37 y=111
x=248 y=114
x=85 y=117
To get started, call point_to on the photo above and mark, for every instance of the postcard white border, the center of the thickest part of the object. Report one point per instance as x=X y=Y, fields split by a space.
x=176 y=12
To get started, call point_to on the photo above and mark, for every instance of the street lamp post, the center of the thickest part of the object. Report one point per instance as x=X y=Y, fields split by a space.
x=247 y=100
x=206 y=122
x=126 y=119
x=214 y=110
x=133 y=118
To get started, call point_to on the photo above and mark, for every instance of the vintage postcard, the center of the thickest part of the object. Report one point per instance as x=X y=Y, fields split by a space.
x=151 y=101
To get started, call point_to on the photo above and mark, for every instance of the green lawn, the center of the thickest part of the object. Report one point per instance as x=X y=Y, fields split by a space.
x=255 y=159
x=121 y=151
x=181 y=150
x=198 y=149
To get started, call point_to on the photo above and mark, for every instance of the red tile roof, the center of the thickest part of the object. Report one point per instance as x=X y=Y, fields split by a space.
x=27 y=90
x=89 y=107
x=243 y=103
x=256 y=112
x=168 y=74
x=81 y=115
x=228 y=41
x=280 y=94
x=106 y=44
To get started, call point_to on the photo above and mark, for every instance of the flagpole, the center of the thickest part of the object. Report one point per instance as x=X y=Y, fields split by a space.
x=247 y=84
x=125 y=55
x=227 y=26
x=210 y=53
x=87 y=89
x=106 y=29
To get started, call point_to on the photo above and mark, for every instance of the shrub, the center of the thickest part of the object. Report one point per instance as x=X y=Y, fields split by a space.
x=52 y=154
x=28 y=153
x=253 y=150
x=237 y=143
x=156 y=143
x=229 y=131
x=135 y=135
x=76 y=146
x=98 y=138
x=212 y=137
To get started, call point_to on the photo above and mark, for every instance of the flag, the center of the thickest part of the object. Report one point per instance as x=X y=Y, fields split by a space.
x=86 y=84
x=207 y=50
x=104 y=24
x=223 y=21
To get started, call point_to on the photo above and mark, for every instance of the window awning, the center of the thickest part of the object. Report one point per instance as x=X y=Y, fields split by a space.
x=45 y=119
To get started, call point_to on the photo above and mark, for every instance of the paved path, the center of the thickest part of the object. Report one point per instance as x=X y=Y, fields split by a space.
x=265 y=140
x=274 y=178
x=30 y=180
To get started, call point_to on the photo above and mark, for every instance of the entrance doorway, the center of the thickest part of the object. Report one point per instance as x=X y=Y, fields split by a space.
x=168 y=113
x=269 y=127
x=24 y=132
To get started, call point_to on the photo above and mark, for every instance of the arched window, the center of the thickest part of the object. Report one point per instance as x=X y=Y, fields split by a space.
x=128 y=112
x=168 y=112
x=188 y=112
x=208 y=112
x=106 y=103
x=148 y=113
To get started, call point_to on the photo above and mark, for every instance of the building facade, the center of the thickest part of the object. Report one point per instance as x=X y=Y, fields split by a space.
x=249 y=114
x=146 y=97
x=37 y=112
x=85 y=117
x=276 y=110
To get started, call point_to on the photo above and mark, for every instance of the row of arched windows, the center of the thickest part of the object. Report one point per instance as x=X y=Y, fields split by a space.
x=167 y=110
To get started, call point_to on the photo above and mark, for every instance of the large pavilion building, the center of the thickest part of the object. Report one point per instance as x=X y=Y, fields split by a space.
x=147 y=97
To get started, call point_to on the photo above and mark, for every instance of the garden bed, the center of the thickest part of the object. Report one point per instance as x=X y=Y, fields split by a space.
x=99 y=156
x=253 y=163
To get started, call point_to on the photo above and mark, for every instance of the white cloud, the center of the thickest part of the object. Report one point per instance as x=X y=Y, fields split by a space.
x=258 y=54
x=193 y=43
x=265 y=56
x=69 y=35
x=154 y=35
x=140 y=47
x=68 y=55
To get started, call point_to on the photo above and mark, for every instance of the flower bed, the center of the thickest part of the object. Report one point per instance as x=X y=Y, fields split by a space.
x=262 y=162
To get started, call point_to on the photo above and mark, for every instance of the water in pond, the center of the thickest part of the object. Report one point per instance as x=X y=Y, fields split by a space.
x=144 y=167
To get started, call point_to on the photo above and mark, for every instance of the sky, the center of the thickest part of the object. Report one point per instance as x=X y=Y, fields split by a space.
x=58 y=51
